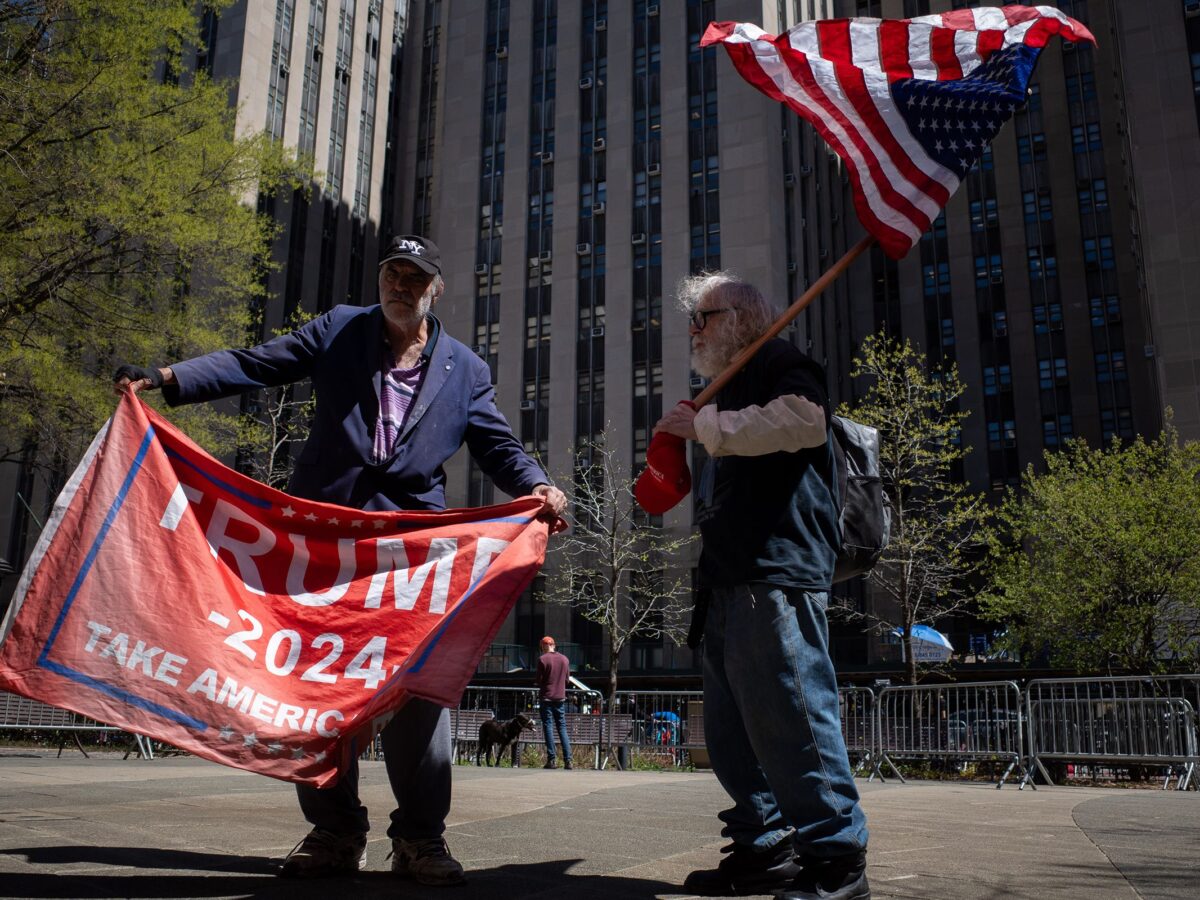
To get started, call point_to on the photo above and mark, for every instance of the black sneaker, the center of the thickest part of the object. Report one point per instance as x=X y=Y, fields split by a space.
x=323 y=853
x=834 y=878
x=745 y=871
x=550 y=765
x=428 y=861
x=567 y=765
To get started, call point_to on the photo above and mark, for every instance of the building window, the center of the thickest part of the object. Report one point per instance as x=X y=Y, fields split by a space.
x=1051 y=372
x=1105 y=310
x=1047 y=317
x=1093 y=197
x=1085 y=137
x=1002 y=434
x=937 y=279
x=1036 y=205
x=1098 y=252
x=1031 y=147
x=997 y=379
x=999 y=323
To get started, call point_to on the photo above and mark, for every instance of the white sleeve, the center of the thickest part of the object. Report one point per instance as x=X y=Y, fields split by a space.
x=785 y=424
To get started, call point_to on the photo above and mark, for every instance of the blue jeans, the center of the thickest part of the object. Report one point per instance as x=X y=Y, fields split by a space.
x=416 y=754
x=554 y=716
x=772 y=724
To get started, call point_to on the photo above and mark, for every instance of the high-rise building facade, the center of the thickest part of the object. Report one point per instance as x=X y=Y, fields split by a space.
x=574 y=161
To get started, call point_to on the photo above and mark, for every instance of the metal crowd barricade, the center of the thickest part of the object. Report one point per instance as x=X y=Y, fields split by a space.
x=857 y=709
x=1133 y=720
x=480 y=703
x=17 y=712
x=982 y=720
x=668 y=724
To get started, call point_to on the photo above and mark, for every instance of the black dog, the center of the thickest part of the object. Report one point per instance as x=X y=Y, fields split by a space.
x=494 y=733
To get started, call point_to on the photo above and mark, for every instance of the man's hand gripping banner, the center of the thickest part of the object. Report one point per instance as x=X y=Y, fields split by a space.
x=171 y=596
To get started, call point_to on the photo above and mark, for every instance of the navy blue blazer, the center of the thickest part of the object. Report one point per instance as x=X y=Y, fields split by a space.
x=341 y=352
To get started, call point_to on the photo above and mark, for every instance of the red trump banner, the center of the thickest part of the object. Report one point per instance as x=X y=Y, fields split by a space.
x=173 y=597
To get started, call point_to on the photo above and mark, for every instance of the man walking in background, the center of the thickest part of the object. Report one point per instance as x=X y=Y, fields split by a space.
x=768 y=515
x=553 y=669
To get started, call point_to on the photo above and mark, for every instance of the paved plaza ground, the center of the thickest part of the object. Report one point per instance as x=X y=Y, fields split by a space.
x=107 y=827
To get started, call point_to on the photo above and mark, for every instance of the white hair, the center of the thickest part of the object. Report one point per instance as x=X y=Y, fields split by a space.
x=753 y=313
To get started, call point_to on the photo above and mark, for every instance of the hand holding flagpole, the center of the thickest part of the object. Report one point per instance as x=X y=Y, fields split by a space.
x=666 y=479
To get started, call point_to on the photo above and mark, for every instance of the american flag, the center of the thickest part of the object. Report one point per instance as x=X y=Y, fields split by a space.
x=908 y=104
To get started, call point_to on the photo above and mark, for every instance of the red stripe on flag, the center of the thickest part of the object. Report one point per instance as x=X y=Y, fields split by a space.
x=989 y=42
x=941 y=50
x=798 y=65
x=1046 y=26
x=959 y=20
x=854 y=83
x=894 y=243
x=834 y=36
x=893 y=49
x=717 y=32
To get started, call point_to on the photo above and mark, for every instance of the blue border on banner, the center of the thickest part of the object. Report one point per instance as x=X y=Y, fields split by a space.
x=223 y=485
x=419 y=662
x=88 y=561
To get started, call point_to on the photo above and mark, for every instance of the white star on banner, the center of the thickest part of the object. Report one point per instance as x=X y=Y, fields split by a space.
x=334 y=521
x=288 y=512
x=274 y=748
x=937 y=145
x=225 y=733
x=320 y=757
x=311 y=517
x=954 y=146
x=356 y=523
x=297 y=753
x=379 y=524
x=250 y=739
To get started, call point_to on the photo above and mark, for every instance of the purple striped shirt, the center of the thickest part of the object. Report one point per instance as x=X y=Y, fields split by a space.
x=397 y=389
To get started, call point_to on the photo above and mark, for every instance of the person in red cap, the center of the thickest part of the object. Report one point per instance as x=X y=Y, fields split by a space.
x=396 y=398
x=768 y=515
x=553 y=669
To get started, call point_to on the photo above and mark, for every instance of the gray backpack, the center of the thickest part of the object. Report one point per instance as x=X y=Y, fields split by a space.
x=865 y=515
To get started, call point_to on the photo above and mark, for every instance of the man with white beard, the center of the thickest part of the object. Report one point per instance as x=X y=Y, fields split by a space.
x=768 y=514
x=396 y=398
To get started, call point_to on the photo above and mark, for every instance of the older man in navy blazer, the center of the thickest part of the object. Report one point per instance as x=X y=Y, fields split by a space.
x=396 y=398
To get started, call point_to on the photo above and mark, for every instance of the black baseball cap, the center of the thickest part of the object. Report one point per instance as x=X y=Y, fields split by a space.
x=421 y=252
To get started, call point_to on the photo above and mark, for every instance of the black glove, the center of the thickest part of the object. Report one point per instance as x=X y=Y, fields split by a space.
x=138 y=373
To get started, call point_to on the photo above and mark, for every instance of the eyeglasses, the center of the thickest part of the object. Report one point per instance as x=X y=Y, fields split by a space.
x=700 y=317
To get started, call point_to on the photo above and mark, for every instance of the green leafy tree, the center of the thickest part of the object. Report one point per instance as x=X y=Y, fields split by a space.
x=1097 y=561
x=127 y=225
x=935 y=544
x=612 y=567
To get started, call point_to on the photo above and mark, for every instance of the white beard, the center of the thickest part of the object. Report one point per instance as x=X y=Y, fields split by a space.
x=400 y=316
x=712 y=358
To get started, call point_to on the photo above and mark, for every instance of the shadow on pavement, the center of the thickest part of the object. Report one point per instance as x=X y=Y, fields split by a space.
x=208 y=875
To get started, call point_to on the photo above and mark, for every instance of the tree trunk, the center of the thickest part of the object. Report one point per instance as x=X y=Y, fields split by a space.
x=910 y=662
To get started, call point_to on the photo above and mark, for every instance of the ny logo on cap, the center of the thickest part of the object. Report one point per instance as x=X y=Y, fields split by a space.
x=409 y=247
